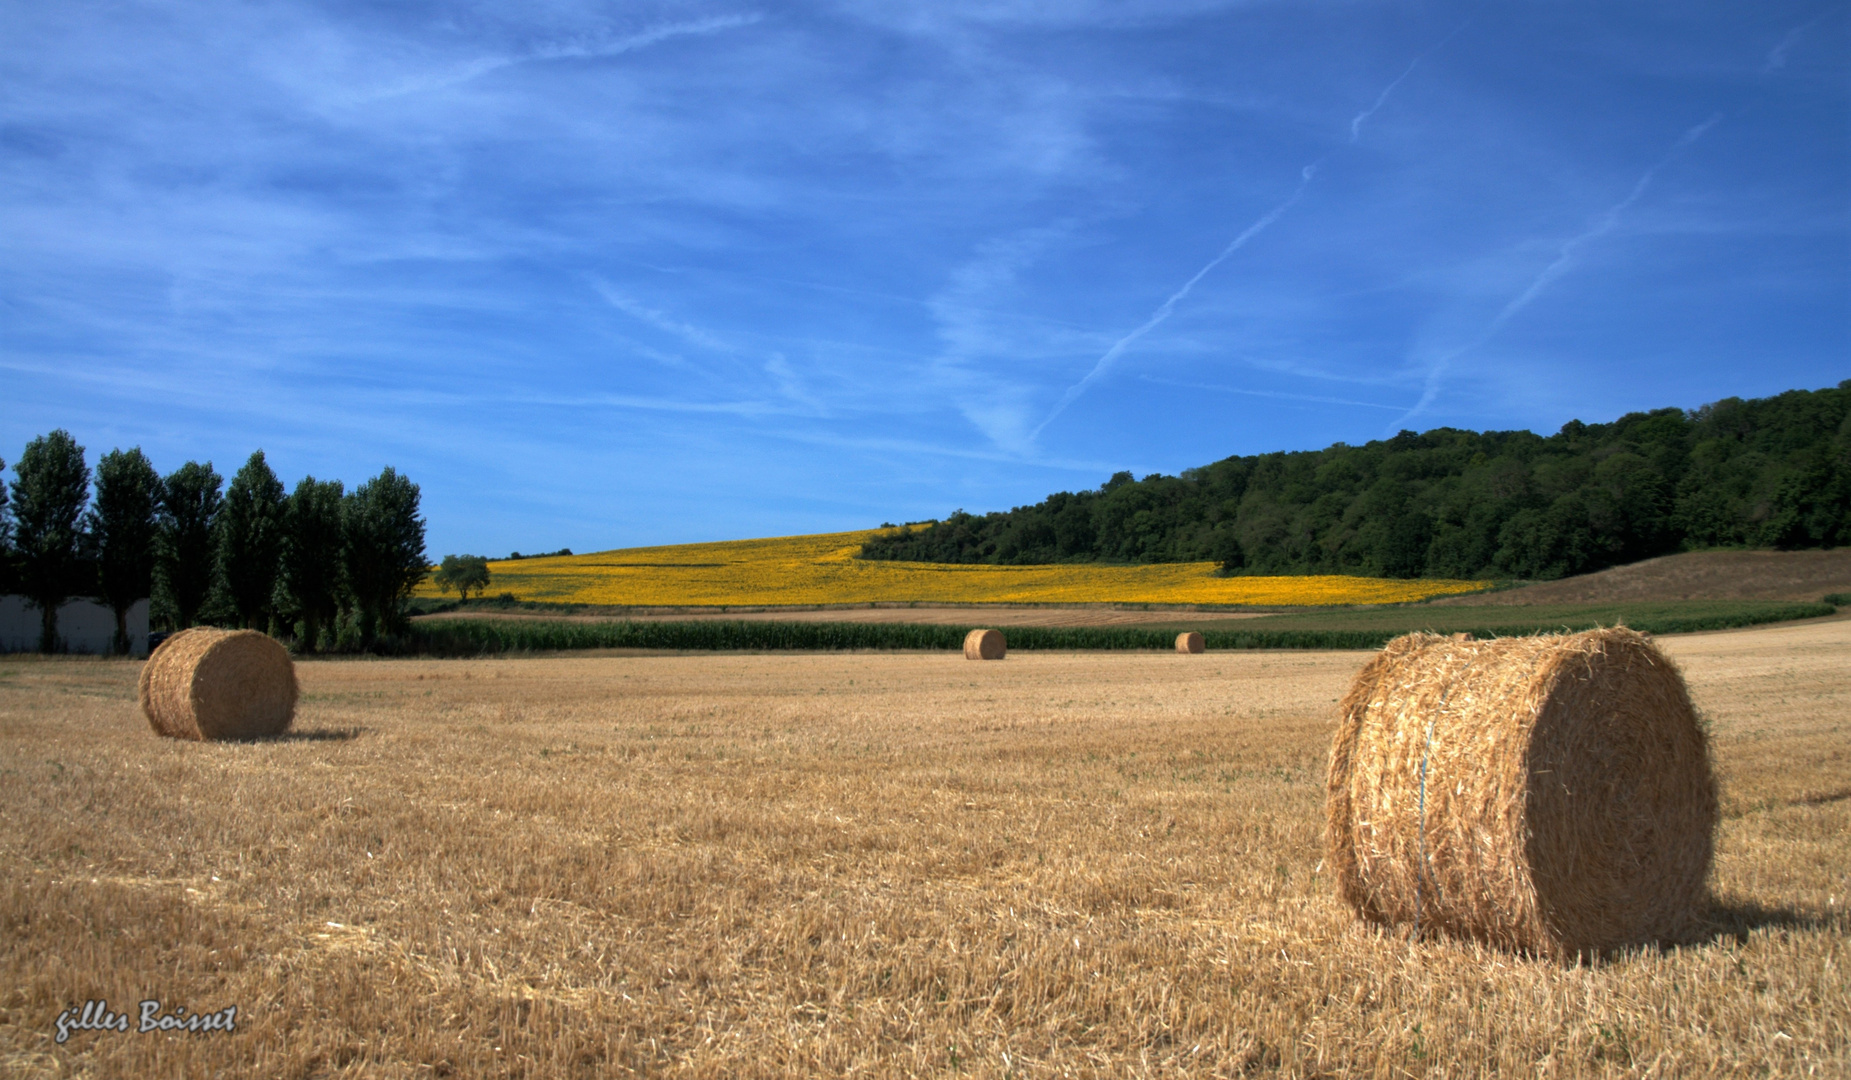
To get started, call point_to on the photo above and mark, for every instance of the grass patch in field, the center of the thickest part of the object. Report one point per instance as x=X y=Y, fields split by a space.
x=1322 y=630
x=479 y=637
x=507 y=604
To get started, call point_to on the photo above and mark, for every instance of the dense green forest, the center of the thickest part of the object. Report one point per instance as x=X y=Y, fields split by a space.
x=1770 y=472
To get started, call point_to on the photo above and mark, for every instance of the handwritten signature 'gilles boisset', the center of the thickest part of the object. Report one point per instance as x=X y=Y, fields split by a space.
x=95 y=1016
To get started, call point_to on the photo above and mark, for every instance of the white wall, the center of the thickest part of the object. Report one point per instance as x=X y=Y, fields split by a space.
x=84 y=626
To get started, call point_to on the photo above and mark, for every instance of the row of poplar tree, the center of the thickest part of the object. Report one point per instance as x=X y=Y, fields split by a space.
x=326 y=567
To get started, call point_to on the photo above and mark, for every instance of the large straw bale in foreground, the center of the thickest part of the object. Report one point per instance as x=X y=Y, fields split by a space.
x=984 y=645
x=1190 y=641
x=219 y=684
x=1551 y=795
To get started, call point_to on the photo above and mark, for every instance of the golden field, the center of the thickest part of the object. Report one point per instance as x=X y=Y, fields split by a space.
x=853 y=864
x=822 y=569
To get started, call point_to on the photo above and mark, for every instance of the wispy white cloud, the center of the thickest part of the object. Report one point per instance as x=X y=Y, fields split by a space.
x=652 y=404
x=566 y=50
x=987 y=366
x=962 y=451
x=659 y=356
x=629 y=305
x=1299 y=368
x=1165 y=309
x=1279 y=395
x=944 y=16
x=791 y=385
x=777 y=367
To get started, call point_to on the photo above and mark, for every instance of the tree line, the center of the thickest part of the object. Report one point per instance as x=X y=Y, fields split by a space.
x=322 y=566
x=1769 y=472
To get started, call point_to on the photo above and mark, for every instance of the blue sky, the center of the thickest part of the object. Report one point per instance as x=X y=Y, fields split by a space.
x=599 y=275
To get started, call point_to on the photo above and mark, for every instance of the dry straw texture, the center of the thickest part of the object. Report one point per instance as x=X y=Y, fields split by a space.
x=984 y=645
x=1551 y=795
x=1189 y=641
x=754 y=866
x=218 y=684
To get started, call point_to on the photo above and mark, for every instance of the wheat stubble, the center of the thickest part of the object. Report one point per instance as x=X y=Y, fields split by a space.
x=737 y=865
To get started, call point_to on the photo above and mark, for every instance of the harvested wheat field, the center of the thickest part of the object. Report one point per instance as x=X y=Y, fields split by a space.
x=880 y=864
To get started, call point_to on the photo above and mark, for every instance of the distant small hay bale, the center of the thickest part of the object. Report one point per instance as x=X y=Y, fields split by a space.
x=1551 y=795
x=1189 y=641
x=984 y=645
x=218 y=684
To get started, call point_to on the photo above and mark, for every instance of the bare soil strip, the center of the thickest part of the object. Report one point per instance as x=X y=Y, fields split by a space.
x=1696 y=575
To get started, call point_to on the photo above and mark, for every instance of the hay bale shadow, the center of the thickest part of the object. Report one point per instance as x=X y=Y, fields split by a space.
x=345 y=734
x=1736 y=920
x=1821 y=798
x=1722 y=922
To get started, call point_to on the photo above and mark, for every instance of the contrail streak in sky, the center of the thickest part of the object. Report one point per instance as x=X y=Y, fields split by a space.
x=1164 y=310
x=1777 y=56
x=1168 y=306
x=1606 y=225
x=1560 y=265
x=1356 y=122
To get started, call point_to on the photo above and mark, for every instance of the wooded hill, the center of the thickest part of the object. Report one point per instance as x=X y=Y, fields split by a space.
x=1769 y=472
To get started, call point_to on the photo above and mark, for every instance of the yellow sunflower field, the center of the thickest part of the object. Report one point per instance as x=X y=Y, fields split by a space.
x=822 y=569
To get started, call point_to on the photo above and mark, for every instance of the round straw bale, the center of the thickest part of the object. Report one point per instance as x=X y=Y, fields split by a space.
x=984 y=645
x=159 y=719
x=1551 y=795
x=218 y=684
x=1189 y=641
